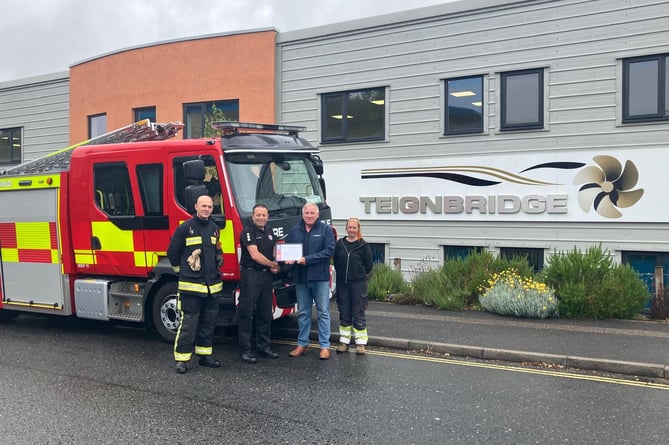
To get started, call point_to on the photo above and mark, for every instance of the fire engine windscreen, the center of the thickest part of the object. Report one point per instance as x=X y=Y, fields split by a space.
x=281 y=181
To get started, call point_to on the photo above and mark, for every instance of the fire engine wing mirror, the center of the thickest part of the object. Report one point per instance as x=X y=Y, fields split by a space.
x=194 y=169
x=192 y=193
x=321 y=181
x=317 y=163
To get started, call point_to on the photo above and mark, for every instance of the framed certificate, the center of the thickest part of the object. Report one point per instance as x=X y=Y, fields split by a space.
x=288 y=252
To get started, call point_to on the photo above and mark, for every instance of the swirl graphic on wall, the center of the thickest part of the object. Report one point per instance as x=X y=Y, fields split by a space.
x=608 y=186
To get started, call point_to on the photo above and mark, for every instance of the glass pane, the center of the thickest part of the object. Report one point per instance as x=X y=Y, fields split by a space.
x=643 y=88
x=666 y=86
x=113 y=194
x=193 y=120
x=97 y=125
x=281 y=181
x=522 y=99
x=464 y=102
x=5 y=146
x=150 y=178
x=16 y=146
x=145 y=113
x=333 y=121
x=365 y=116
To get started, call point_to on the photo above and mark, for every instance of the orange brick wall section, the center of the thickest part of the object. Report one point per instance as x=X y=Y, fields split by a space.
x=237 y=66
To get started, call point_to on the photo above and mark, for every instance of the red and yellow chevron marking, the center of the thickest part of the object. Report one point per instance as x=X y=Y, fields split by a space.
x=29 y=242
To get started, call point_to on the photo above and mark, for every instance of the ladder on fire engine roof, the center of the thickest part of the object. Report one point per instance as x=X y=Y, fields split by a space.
x=143 y=130
x=233 y=127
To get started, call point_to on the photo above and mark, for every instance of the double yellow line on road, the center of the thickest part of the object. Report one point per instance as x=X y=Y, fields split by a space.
x=562 y=374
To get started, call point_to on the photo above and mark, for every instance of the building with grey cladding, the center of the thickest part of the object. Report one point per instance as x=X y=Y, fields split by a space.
x=514 y=127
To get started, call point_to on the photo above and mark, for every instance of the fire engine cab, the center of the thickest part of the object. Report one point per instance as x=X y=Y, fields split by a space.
x=84 y=231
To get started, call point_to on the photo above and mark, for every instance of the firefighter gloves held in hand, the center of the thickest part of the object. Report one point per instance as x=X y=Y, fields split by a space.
x=219 y=261
x=194 y=260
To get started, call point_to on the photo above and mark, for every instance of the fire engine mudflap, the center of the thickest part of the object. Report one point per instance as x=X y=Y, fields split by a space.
x=84 y=230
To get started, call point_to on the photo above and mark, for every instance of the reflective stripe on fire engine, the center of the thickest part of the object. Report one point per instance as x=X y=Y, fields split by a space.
x=113 y=239
x=29 y=242
x=200 y=288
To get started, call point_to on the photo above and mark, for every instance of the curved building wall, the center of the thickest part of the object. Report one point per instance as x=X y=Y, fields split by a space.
x=169 y=74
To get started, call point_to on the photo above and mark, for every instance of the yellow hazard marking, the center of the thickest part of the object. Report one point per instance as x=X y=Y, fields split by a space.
x=227 y=238
x=84 y=257
x=10 y=255
x=112 y=238
x=30 y=182
x=33 y=235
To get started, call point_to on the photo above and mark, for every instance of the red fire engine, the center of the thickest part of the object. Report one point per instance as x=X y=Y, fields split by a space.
x=84 y=231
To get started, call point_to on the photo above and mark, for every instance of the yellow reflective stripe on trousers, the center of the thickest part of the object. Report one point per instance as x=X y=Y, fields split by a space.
x=180 y=356
x=345 y=334
x=193 y=240
x=200 y=288
x=360 y=336
x=203 y=350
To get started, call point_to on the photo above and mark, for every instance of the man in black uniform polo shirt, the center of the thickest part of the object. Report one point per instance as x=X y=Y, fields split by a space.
x=257 y=269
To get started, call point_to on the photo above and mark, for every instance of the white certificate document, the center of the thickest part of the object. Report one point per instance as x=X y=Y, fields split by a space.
x=288 y=252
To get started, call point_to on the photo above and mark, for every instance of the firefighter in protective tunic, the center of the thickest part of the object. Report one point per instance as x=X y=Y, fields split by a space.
x=255 y=294
x=195 y=254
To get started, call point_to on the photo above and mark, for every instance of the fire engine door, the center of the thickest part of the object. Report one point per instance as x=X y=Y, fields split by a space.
x=116 y=236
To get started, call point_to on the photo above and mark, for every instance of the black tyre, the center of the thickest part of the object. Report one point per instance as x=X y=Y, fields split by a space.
x=166 y=317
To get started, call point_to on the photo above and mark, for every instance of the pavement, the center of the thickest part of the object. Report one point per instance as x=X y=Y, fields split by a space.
x=633 y=347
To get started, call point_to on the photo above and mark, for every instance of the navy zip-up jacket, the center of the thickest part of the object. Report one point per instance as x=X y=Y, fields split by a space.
x=317 y=248
x=352 y=261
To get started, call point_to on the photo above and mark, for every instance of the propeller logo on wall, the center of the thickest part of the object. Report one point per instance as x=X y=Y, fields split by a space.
x=608 y=186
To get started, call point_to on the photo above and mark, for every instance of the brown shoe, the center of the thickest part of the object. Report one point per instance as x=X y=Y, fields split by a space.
x=298 y=351
x=325 y=354
x=343 y=347
x=360 y=350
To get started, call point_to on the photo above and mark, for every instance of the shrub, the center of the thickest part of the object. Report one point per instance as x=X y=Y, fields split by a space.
x=508 y=293
x=433 y=287
x=467 y=276
x=384 y=281
x=590 y=285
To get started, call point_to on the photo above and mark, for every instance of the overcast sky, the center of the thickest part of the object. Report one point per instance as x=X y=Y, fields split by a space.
x=47 y=36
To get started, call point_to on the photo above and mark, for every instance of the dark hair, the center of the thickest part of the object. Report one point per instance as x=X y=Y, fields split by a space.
x=262 y=206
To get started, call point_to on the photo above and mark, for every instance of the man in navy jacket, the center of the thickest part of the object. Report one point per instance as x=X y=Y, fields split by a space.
x=312 y=276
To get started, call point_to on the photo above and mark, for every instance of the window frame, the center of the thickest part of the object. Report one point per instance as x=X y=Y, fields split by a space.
x=205 y=110
x=11 y=132
x=662 y=74
x=447 y=100
x=139 y=112
x=504 y=94
x=343 y=136
x=94 y=117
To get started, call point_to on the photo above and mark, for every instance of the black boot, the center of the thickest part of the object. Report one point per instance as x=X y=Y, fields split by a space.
x=206 y=360
x=181 y=367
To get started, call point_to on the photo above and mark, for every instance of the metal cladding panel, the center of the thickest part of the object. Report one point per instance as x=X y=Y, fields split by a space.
x=40 y=106
x=29 y=250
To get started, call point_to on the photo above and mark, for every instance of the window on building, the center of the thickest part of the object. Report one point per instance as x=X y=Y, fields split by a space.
x=535 y=257
x=196 y=116
x=378 y=253
x=460 y=252
x=10 y=146
x=352 y=116
x=113 y=194
x=646 y=88
x=522 y=105
x=145 y=113
x=97 y=125
x=464 y=105
x=150 y=178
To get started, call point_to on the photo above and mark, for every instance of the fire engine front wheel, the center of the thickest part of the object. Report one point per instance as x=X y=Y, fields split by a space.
x=166 y=317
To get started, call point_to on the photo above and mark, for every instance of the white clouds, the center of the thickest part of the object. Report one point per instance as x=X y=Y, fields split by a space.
x=46 y=36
